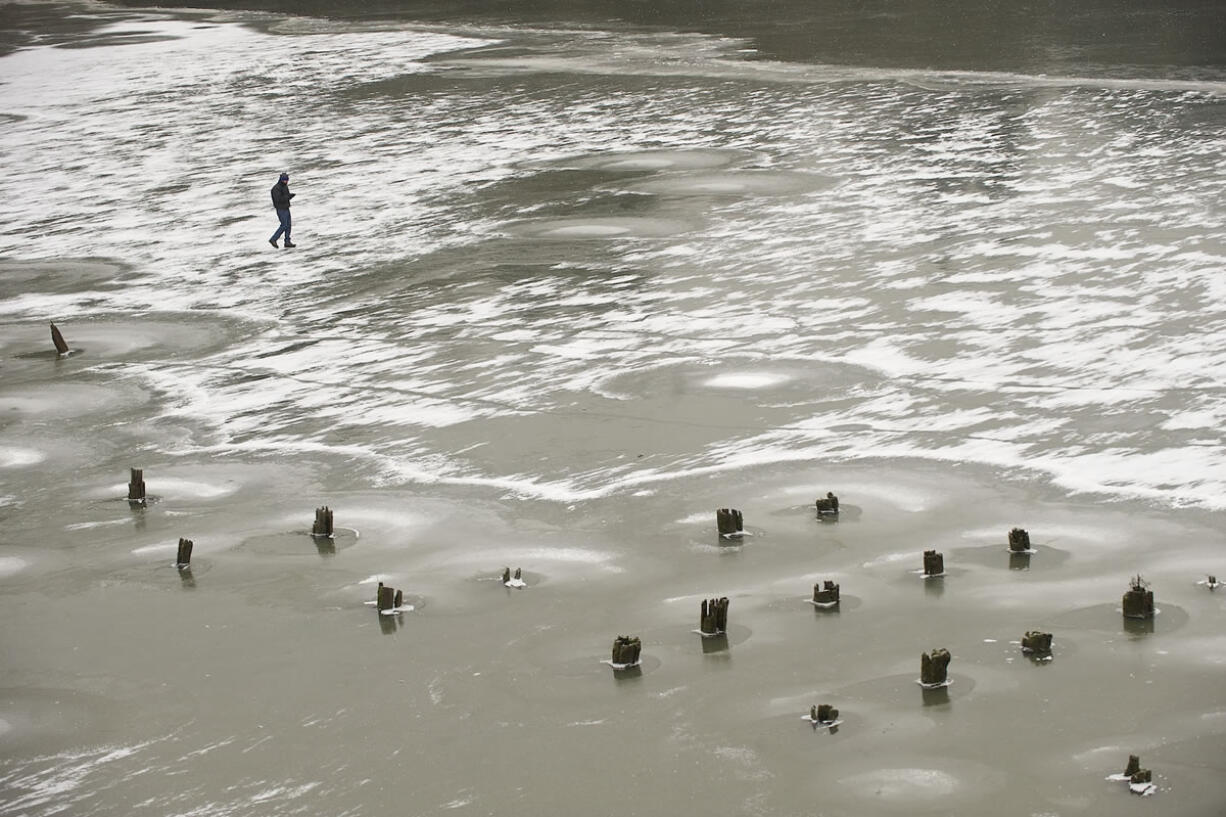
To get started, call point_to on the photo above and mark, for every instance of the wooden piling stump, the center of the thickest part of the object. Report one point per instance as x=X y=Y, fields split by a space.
x=626 y=650
x=184 y=557
x=827 y=713
x=385 y=598
x=934 y=667
x=1036 y=642
x=714 y=617
x=1134 y=766
x=826 y=593
x=729 y=522
x=323 y=522
x=828 y=505
x=934 y=563
x=136 y=486
x=1019 y=540
x=1138 y=602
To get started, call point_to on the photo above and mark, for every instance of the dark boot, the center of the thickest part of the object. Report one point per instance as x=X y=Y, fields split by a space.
x=289 y=243
x=272 y=242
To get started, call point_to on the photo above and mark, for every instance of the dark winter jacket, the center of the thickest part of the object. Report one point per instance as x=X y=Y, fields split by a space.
x=281 y=195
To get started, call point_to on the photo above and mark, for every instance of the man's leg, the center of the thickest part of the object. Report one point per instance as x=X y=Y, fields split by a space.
x=285 y=224
x=283 y=216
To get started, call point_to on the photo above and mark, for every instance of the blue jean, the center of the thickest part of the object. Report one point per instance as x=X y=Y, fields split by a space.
x=284 y=228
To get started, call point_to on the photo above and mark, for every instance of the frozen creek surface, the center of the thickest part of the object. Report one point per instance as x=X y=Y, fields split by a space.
x=559 y=294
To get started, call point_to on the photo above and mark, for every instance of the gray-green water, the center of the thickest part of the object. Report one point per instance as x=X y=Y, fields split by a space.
x=566 y=283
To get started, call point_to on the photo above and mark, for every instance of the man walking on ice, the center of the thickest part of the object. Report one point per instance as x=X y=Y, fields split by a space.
x=280 y=200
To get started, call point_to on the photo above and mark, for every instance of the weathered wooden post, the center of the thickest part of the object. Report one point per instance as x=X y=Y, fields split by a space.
x=323 y=522
x=826 y=594
x=1140 y=781
x=626 y=651
x=934 y=563
x=1019 y=541
x=1212 y=582
x=1138 y=602
x=385 y=598
x=729 y=522
x=824 y=713
x=516 y=580
x=1036 y=642
x=136 y=487
x=934 y=668
x=828 y=506
x=184 y=557
x=713 y=619
x=61 y=345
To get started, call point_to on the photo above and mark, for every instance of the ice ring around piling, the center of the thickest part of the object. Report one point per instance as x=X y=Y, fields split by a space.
x=1108 y=617
x=582 y=229
x=1039 y=558
x=526 y=579
x=641 y=161
x=159 y=335
x=846 y=603
x=170 y=488
x=731 y=183
x=301 y=543
x=900 y=689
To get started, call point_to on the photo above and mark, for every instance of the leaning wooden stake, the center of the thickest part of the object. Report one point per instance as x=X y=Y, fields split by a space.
x=61 y=345
x=184 y=557
x=136 y=486
x=714 y=617
x=323 y=522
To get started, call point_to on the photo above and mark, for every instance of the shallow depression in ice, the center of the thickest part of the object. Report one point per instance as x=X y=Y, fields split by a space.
x=901 y=785
x=650 y=160
x=732 y=183
x=612 y=227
